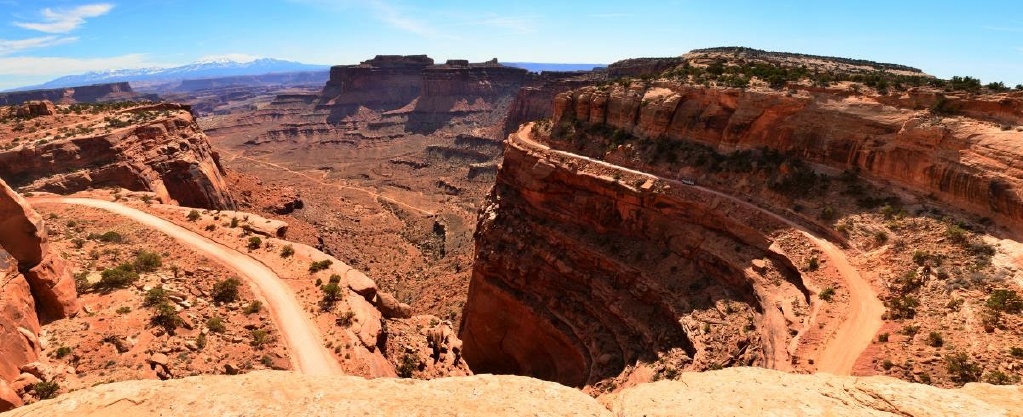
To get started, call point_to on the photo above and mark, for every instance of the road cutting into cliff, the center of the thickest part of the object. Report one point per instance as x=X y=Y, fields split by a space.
x=857 y=330
x=297 y=330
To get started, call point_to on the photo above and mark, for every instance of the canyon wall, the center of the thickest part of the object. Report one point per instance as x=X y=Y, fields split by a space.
x=582 y=269
x=85 y=94
x=535 y=100
x=167 y=154
x=37 y=286
x=967 y=157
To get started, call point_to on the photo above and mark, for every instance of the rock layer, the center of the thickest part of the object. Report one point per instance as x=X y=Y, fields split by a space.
x=169 y=155
x=85 y=94
x=578 y=275
x=968 y=159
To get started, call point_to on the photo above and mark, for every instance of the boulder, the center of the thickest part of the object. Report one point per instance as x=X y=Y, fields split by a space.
x=36 y=108
x=8 y=398
x=390 y=307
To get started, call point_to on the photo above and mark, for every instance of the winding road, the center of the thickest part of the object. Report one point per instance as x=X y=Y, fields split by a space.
x=854 y=334
x=299 y=333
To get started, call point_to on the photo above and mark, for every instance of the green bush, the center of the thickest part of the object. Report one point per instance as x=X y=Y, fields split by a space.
x=226 y=291
x=63 y=351
x=827 y=294
x=155 y=297
x=1005 y=300
x=287 y=251
x=813 y=264
x=216 y=325
x=318 y=266
x=409 y=363
x=108 y=237
x=961 y=368
x=1016 y=352
x=165 y=316
x=255 y=242
x=118 y=277
x=193 y=215
x=45 y=390
x=148 y=261
x=935 y=339
x=253 y=307
x=883 y=337
x=260 y=337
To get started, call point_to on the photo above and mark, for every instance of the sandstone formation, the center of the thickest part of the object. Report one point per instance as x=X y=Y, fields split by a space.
x=159 y=148
x=737 y=391
x=85 y=94
x=968 y=159
x=581 y=272
x=535 y=100
x=36 y=286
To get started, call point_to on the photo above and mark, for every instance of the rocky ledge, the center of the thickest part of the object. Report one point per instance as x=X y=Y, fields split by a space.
x=729 y=392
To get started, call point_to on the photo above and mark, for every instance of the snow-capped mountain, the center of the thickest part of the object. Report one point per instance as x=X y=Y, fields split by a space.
x=202 y=69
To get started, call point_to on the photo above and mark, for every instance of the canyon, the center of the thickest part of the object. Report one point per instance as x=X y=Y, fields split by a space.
x=109 y=92
x=692 y=233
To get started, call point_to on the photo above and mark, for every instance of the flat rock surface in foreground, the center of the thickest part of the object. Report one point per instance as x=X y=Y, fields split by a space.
x=756 y=391
x=278 y=393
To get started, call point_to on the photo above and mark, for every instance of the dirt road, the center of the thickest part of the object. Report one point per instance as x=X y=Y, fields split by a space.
x=854 y=334
x=298 y=332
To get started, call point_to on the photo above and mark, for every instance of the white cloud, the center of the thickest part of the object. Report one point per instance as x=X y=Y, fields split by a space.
x=58 y=66
x=66 y=20
x=12 y=46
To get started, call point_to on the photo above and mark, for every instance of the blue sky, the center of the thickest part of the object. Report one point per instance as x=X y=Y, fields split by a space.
x=43 y=39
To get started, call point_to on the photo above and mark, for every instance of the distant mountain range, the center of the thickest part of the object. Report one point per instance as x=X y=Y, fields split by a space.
x=541 y=66
x=204 y=69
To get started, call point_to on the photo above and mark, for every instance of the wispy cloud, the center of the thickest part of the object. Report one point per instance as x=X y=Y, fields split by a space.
x=50 y=66
x=8 y=47
x=66 y=20
x=609 y=15
x=387 y=12
x=229 y=57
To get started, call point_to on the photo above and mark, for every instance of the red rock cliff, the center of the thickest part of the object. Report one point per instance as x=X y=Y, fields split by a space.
x=969 y=159
x=582 y=269
x=166 y=153
x=84 y=94
x=35 y=286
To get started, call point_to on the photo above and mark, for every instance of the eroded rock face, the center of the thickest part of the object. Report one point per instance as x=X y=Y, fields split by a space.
x=579 y=274
x=969 y=159
x=168 y=155
x=535 y=100
x=35 y=285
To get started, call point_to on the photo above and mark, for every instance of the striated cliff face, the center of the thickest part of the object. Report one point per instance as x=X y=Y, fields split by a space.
x=967 y=156
x=582 y=269
x=86 y=94
x=385 y=82
x=535 y=100
x=36 y=286
x=159 y=148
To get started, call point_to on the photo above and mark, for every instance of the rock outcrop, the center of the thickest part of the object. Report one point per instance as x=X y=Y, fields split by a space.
x=85 y=94
x=730 y=392
x=968 y=158
x=535 y=100
x=583 y=269
x=159 y=149
x=385 y=82
x=36 y=286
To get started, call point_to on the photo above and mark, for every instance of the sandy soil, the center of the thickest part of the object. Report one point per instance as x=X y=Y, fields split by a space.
x=301 y=336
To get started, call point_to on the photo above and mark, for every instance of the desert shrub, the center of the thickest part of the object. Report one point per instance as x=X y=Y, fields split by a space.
x=260 y=337
x=148 y=261
x=956 y=234
x=45 y=390
x=813 y=264
x=828 y=213
x=165 y=316
x=331 y=292
x=78 y=242
x=409 y=363
x=883 y=337
x=210 y=227
x=255 y=242
x=108 y=237
x=226 y=291
x=903 y=307
x=910 y=330
x=827 y=294
x=120 y=276
x=935 y=339
x=346 y=319
x=155 y=297
x=1016 y=352
x=63 y=351
x=287 y=251
x=234 y=222
x=318 y=266
x=887 y=364
x=997 y=377
x=961 y=368
x=881 y=237
x=252 y=308
x=1005 y=300
x=200 y=341
x=193 y=215
x=216 y=325
x=123 y=310
x=82 y=284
